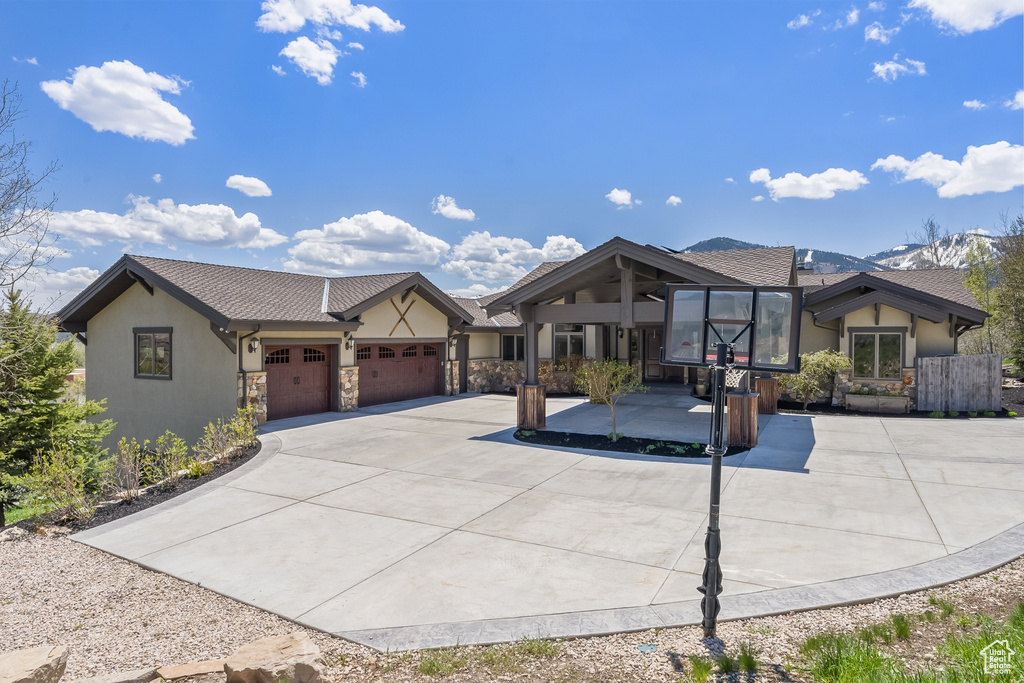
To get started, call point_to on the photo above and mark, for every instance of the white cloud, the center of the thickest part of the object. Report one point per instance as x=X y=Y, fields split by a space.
x=758 y=198
x=287 y=16
x=1017 y=102
x=474 y=291
x=356 y=46
x=876 y=6
x=316 y=60
x=157 y=178
x=976 y=105
x=123 y=98
x=328 y=33
x=803 y=20
x=247 y=185
x=481 y=257
x=447 y=207
x=875 y=31
x=360 y=79
x=890 y=71
x=998 y=167
x=624 y=198
x=49 y=290
x=28 y=60
x=851 y=18
x=968 y=16
x=373 y=241
x=674 y=201
x=165 y=222
x=276 y=69
x=730 y=179
x=822 y=185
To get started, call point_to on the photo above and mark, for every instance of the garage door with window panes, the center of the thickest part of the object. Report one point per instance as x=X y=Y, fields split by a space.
x=298 y=380
x=397 y=372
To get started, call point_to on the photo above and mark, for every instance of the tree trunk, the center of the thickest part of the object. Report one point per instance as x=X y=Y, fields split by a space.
x=615 y=434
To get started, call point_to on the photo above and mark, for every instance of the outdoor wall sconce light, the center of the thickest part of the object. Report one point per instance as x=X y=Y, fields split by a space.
x=254 y=346
x=349 y=343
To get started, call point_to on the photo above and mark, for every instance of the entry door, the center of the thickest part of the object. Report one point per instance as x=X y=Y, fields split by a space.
x=298 y=380
x=653 y=369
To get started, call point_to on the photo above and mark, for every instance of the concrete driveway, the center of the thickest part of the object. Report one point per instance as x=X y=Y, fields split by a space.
x=425 y=523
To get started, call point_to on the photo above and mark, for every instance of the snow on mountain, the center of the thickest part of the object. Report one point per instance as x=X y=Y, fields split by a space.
x=948 y=252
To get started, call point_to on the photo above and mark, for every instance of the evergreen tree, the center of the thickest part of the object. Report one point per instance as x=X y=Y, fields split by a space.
x=35 y=417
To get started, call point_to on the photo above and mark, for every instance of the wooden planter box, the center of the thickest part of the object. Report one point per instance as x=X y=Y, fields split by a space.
x=878 y=404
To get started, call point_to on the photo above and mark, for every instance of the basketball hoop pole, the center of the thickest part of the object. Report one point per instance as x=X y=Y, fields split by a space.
x=712 y=586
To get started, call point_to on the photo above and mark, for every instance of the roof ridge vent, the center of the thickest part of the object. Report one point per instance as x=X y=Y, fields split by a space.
x=327 y=294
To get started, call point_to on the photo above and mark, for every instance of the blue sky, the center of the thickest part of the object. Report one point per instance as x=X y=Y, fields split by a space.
x=470 y=140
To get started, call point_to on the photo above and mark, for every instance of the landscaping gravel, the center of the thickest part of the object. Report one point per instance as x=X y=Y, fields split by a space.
x=116 y=616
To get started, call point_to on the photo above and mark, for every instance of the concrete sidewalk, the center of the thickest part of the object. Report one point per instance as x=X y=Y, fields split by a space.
x=425 y=523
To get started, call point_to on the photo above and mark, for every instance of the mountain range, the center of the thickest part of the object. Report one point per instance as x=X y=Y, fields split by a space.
x=949 y=251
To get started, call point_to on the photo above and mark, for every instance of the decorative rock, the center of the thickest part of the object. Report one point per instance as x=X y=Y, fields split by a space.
x=43 y=664
x=210 y=666
x=292 y=658
x=12 y=534
x=137 y=676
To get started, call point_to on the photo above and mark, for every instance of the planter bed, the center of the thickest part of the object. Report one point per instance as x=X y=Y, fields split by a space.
x=868 y=403
x=625 y=444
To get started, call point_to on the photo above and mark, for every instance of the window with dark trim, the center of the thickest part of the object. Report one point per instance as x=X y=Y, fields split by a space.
x=429 y=350
x=278 y=357
x=363 y=353
x=313 y=356
x=152 y=352
x=568 y=340
x=385 y=352
x=409 y=352
x=877 y=355
x=512 y=346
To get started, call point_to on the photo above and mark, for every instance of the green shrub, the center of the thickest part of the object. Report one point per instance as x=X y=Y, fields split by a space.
x=60 y=477
x=1012 y=413
x=128 y=468
x=165 y=463
x=936 y=414
x=748 y=657
x=817 y=374
x=972 y=413
x=701 y=669
x=198 y=468
x=989 y=413
x=954 y=413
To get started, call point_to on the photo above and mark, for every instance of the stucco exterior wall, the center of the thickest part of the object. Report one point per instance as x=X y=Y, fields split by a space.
x=426 y=321
x=203 y=384
x=814 y=338
x=933 y=338
x=888 y=317
x=484 y=345
x=252 y=362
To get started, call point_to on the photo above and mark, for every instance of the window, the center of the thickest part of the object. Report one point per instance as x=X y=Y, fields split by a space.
x=313 y=356
x=385 y=352
x=152 y=352
x=512 y=347
x=877 y=355
x=409 y=352
x=278 y=357
x=363 y=353
x=429 y=350
x=568 y=340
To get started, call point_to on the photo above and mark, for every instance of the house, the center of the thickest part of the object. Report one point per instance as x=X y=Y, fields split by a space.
x=175 y=344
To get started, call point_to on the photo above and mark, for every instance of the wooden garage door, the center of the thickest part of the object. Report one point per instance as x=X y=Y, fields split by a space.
x=298 y=380
x=397 y=372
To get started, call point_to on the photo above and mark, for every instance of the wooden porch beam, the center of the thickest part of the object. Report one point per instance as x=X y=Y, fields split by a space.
x=626 y=287
x=913 y=325
x=878 y=312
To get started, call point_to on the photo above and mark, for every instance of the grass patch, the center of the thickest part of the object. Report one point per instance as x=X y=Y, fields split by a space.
x=443 y=662
x=901 y=626
x=845 y=658
x=537 y=647
x=701 y=669
x=946 y=607
x=747 y=658
x=26 y=511
x=726 y=664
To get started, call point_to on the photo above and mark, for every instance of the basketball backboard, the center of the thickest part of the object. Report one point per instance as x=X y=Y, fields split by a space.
x=762 y=323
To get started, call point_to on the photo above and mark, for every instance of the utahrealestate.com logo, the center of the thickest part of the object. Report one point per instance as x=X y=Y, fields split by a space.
x=997 y=657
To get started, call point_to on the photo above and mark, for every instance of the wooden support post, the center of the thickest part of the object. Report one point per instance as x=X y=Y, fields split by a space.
x=742 y=419
x=626 y=289
x=768 y=395
x=531 y=404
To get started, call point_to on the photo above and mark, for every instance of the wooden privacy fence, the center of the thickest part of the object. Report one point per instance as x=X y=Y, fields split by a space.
x=960 y=383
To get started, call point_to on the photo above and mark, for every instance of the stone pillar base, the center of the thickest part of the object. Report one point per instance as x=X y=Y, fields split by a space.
x=531 y=404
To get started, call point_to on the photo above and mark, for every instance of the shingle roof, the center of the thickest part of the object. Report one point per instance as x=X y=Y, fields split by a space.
x=347 y=292
x=474 y=308
x=941 y=282
x=245 y=293
x=769 y=266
